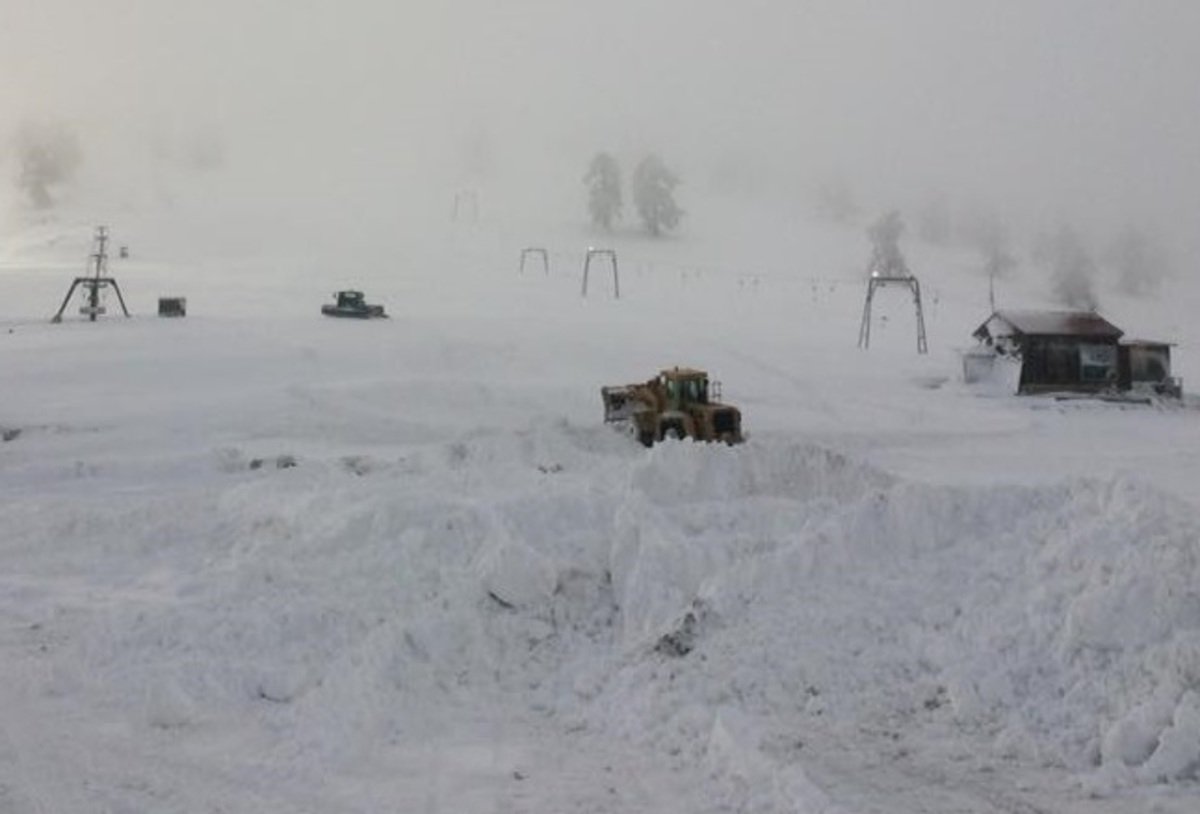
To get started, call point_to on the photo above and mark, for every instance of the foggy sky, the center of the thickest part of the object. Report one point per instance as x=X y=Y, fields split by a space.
x=1086 y=110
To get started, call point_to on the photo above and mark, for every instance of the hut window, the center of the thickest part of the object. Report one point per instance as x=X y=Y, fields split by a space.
x=1097 y=363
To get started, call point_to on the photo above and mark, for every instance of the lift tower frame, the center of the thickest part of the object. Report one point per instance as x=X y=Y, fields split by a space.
x=611 y=256
x=877 y=281
x=98 y=281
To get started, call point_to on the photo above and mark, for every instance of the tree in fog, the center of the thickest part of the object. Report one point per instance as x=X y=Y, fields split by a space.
x=835 y=201
x=48 y=155
x=997 y=263
x=886 y=257
x=603 y=180
x=1139 y=262
x=478 y=153
x=654 y=195
x=1071 y=267
x=988 y=235
x=205 y=151
x=935 y=224
x=980 y=227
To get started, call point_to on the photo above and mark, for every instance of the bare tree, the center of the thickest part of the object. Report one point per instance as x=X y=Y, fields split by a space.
x=48 y=155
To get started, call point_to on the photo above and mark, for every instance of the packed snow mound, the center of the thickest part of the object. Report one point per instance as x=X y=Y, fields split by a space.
x=783 y=586
x=716 y=604
x=693 y=511
x=690 y=472
x=1043 y=617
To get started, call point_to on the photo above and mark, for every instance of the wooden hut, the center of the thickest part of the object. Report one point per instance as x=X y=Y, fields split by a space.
x=1074 y=352
x=1060 y=351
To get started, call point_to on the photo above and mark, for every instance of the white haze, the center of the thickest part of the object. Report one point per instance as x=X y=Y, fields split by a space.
x=1080 y=111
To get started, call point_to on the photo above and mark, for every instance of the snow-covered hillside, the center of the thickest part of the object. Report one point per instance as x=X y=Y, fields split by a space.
x=260 y=560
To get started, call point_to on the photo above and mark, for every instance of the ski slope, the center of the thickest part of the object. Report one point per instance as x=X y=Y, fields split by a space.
x=260 y=560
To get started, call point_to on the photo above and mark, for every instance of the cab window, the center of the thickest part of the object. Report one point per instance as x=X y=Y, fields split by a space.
x=672 y=388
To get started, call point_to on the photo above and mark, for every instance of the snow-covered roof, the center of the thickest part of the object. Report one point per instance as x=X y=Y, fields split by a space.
x=684 y=372
x=1048 y=323
x=1147 y=343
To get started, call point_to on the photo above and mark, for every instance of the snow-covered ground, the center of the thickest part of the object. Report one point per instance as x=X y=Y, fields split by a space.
x=259 y=560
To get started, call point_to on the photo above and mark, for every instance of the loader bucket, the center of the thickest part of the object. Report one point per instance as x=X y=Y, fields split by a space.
x=619 y=404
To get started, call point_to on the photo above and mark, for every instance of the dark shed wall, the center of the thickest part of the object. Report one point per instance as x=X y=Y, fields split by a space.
x=1068 y=363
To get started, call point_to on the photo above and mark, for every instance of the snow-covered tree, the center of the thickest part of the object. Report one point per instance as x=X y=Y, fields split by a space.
x=654 y=195
x=886 y=258
x=48 y=154
x=603 y=180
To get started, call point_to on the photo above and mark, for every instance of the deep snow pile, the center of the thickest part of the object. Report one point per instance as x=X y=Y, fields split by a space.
x=261 y=561
x=1064 y=623
x=800 y=593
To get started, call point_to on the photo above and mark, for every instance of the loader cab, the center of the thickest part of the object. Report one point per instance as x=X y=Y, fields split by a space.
x=682 y=388
x=349 y=299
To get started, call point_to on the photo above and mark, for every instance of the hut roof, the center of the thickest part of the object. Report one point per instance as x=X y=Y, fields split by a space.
x=1084 y=324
